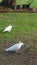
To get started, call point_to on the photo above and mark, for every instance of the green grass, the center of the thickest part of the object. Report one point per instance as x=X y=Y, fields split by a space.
x=24 y=25
x=34 y=2
x=22 y=2
x=0 y=0
x=25 y=30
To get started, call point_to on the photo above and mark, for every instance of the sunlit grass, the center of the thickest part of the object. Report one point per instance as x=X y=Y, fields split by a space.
x=23 y=24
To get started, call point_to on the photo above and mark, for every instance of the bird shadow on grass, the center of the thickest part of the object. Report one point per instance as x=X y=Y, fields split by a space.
x=1 y=32
x=7 y=53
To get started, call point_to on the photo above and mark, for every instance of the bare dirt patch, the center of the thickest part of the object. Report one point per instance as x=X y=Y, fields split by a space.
x=26 y=56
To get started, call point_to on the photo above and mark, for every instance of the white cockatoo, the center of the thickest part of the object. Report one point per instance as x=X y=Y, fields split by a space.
x=8 y=28
x=15 y=47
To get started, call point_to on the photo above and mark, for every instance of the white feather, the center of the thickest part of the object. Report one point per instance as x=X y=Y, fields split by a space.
x=8 y=29
x=15 y=47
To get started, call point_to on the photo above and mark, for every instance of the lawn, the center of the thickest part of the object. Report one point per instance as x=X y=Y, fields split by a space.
x=25 y=30
x=0 y=0
x=34 y=2
x=23 y=1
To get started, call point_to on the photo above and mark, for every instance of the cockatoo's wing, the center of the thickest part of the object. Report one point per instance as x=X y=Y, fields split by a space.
x=13 y=48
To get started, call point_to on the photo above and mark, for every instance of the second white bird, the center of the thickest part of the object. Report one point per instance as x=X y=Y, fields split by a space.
x=15 y=47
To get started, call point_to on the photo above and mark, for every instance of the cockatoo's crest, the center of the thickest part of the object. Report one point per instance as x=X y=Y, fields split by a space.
x=21 y=43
